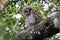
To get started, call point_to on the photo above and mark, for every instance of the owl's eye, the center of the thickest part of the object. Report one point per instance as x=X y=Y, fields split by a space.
x=30 y=9
x=26 y=11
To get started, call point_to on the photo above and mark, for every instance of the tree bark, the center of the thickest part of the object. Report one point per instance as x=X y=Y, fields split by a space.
x=44 y=30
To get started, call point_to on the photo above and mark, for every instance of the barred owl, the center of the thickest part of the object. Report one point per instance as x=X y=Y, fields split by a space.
x=32 y=18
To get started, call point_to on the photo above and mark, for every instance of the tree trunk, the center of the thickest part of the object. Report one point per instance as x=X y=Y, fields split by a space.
x=40 y=32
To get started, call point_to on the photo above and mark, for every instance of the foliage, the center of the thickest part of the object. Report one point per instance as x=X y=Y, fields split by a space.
x=12 y=19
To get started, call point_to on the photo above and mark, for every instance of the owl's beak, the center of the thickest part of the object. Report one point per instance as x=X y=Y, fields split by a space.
x=28 y=12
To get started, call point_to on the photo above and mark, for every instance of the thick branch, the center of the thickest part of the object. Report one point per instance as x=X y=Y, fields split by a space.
x=43 y=30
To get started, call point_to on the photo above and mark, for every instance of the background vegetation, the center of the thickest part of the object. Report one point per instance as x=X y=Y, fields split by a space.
x=12 y=19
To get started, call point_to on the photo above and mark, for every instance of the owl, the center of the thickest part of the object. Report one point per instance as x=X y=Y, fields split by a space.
x=32 y=18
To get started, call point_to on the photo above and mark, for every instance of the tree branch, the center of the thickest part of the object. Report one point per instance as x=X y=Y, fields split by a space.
x=44 y=30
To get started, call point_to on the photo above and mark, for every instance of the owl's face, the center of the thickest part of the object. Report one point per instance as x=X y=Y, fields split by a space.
x=28 y=11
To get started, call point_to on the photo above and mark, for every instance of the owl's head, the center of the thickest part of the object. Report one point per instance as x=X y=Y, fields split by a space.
x=28 y=10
